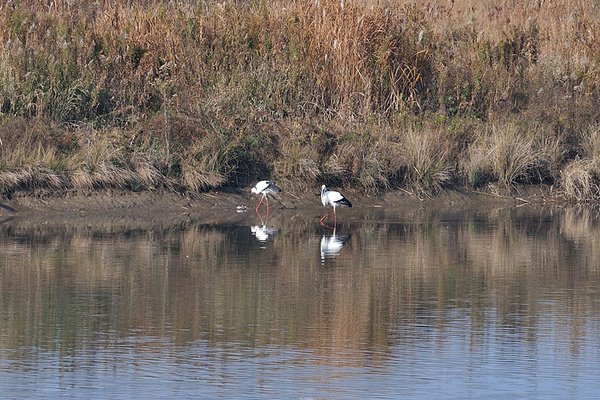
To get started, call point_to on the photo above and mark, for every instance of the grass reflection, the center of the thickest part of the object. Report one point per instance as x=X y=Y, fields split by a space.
x=65 y=286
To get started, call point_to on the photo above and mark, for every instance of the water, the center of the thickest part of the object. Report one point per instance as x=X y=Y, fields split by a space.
x=486 y=303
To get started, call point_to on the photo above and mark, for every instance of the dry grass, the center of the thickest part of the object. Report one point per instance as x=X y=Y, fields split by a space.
x=298 y=155
x=580 y=179
x=201 y=172
x=190 y=96
x=360 y=157
x=428 y=160
x=510 y=154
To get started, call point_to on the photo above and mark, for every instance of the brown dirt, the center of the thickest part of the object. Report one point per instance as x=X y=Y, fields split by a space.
x=220 y=204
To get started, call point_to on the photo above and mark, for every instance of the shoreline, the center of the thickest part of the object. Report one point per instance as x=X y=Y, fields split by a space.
x=239 y=200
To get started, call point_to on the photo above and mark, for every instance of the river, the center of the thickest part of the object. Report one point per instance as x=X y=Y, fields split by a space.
x=496 y=302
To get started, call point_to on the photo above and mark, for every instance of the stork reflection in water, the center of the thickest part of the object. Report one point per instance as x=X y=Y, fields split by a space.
x=331 y=245
x=263 y=232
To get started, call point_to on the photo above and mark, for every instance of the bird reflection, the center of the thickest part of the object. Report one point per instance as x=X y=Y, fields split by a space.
x=331 y=245
x=263 y=232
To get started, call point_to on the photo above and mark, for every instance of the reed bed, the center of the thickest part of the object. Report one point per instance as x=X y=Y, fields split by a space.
x=191 y=96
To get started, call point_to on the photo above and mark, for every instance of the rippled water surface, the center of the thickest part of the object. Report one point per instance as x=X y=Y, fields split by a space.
x=416 y=303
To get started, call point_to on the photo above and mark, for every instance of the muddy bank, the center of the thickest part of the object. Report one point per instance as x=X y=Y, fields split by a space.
x=231 y=201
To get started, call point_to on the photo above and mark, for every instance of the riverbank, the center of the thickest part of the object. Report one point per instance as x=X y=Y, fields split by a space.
x=188 y=97
x=222 y=204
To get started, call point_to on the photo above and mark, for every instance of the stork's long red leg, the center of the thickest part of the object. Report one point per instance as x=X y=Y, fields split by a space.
x=267 y=201
x=259 y=203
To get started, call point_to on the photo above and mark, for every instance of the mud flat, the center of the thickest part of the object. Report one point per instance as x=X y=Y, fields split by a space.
x=225 y=205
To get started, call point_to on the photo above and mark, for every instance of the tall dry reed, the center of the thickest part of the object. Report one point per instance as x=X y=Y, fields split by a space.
x=191 y=96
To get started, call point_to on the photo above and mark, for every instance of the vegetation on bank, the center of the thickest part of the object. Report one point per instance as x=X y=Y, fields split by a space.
x=190 y=96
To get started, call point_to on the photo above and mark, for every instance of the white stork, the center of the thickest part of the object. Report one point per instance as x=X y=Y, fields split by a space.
x=264 y=188
x=333 y=199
